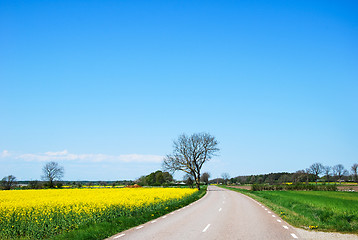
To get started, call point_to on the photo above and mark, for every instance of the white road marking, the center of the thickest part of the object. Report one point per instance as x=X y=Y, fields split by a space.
x=273 y=216
x=119 y=236
x=153 y=221
x=206 y=228
x=139 y=227
x=171 y=213
x=265 y=209
x=268 y=212
x=294 y=235
x=278 y=220
x=285 y=227
x=220 y=209
x=164 y=216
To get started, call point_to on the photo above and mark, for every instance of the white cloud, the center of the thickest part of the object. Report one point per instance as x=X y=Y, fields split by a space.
x=66 y=156
x=64 y=152
x=5 y=154
x=140 y=158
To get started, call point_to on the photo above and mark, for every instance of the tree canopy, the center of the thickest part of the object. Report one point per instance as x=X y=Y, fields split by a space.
x=157 y=178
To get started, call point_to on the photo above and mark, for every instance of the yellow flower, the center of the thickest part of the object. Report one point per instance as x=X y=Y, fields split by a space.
x=73 y=207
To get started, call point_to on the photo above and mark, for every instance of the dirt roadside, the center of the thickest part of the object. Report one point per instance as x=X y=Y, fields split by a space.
x=324 y=235
x=348 y=187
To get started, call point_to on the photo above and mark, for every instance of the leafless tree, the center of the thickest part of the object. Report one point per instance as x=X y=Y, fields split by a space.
x=205 y=177
x=327 y=172
x=339 y=171
x=316 y=169
x=307 y=171
x=8 y=182
x=299 y=176
x=190 y=153
x=225 y=176
x=51 y=173
x=354 y=171
x=188 y=179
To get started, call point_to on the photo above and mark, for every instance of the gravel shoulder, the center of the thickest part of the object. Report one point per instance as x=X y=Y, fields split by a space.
x=325 y=235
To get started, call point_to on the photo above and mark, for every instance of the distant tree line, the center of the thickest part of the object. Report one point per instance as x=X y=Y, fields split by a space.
x=294 y=187
x=52 y=174
x=188 y=179
x=317 y=172
x=51 y=178
x=36 y=184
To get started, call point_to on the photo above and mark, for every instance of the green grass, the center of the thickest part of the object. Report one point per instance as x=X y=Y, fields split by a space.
x=329 y=211
x=106 y=229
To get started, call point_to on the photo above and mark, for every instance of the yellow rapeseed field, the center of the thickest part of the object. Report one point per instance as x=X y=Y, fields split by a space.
x=42 y=213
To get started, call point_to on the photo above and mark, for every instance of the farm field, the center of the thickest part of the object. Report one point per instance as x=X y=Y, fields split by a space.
x=321 y=210
x=56 y=213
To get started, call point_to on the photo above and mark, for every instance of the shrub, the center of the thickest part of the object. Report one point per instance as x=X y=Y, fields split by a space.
x=293 y=187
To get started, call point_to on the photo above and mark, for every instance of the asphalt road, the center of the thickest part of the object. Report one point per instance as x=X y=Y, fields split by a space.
x=220 y=214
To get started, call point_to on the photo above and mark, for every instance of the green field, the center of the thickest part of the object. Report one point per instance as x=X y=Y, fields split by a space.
x=328 y=211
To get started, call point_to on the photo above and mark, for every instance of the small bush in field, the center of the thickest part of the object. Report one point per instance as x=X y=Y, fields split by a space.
x=293 y=187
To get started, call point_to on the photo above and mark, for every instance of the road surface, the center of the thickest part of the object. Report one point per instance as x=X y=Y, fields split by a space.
x=220 y=214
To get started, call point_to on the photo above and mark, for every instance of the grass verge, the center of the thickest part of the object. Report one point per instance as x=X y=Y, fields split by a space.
x=322 y=210
x=106 y=229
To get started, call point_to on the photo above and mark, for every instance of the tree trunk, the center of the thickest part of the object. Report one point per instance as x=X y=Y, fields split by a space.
x=306 y=178
x=198 y=182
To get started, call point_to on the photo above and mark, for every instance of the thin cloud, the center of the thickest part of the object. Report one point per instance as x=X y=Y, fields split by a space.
x=140 y=158
x=5 y=153
x=67 y=156
x=64 y=152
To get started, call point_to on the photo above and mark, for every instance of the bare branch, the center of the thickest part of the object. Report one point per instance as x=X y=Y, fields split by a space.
x=52 y=172
x=190 y=153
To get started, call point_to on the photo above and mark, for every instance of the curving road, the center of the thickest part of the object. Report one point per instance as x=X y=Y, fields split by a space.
x=220 y=214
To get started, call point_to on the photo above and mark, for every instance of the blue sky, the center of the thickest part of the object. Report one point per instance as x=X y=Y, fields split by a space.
x=104 y=87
